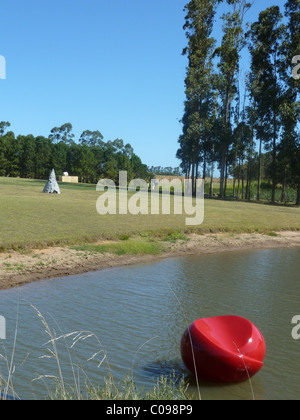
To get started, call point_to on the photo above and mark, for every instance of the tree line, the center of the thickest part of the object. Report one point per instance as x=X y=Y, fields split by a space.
x=90 y=158
x=243 y=124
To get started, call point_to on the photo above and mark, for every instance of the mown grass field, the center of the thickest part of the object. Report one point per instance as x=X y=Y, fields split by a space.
x=29 y=218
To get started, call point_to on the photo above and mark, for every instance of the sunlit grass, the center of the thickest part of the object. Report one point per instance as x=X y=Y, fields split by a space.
x=122 y=248
x=166 y=388
x=29 y=218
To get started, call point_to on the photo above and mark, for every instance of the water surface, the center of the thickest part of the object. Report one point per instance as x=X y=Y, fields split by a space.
x=139 y=314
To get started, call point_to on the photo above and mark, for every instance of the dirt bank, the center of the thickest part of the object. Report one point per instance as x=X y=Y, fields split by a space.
x=17 y=269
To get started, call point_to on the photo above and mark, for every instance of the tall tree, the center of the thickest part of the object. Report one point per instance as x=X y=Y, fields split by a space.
x=2 y=157
x=63 y=133
x=59 y=154
x=12 y=155
x=266 y=38
x=27 y=156
x=229 y=53
x=198 y=26
x=289 y=150
x=91 y=138
x=4 y=125
x=43 y=151
x=257 y=96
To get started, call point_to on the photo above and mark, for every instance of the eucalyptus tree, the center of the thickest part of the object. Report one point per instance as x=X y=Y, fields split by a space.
x=251 y=121
x=4 y=125
x=198 y=26
x=257 y=98
x=233 y=42
x=183 y=154
x=266 y=38
x=242 y=136
x=239 y=143
x=289 y=150
x=213 y=138
x=128 y=150
x=63 y=133
x=91 y=138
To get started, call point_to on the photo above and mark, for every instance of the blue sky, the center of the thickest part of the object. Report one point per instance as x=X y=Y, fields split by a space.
x=113 y=66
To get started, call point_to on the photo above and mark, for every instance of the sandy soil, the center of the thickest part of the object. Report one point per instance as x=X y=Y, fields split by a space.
x=17 y=269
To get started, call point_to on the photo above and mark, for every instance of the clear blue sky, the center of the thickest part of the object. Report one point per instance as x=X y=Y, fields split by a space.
x=114 y=66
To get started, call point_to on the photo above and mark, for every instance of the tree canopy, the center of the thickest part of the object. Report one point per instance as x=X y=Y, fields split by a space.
x=247 y=132
x=90 y=158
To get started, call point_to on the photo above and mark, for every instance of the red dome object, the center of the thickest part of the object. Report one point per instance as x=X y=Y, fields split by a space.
x=224 y=349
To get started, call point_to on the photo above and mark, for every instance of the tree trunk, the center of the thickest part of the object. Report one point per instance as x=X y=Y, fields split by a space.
x=222 y=173
x=225 y=147
x=239 y=180
x=196 y=177
x=204 y=167
x=247 y=186
x=193 y=178
x=211 y=192
x=243 y=178
x=298 y=195
x=274 y=169
x=233 y=189
x=234 y=174
x=283 y=192
x=259 y=170
x=274 y=137
x=226 y=178
x=250 y=164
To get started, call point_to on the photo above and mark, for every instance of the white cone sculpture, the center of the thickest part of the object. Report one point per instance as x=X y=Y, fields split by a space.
x=52 y=185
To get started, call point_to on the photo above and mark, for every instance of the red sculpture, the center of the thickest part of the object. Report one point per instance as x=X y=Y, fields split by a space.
x=223 y=349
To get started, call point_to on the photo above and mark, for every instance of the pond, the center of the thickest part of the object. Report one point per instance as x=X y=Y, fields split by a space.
x=137 y=315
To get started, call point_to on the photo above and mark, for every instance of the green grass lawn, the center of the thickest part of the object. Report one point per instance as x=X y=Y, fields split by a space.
x=29 y=218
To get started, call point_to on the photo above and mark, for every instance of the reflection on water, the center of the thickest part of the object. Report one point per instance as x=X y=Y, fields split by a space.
x=139 y=314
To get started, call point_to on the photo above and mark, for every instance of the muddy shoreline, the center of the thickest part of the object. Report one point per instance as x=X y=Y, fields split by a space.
x=17 y=269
